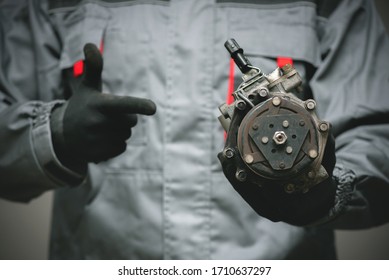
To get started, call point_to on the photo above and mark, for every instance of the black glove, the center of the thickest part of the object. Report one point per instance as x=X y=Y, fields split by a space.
x=95 y=125
x=271 y=201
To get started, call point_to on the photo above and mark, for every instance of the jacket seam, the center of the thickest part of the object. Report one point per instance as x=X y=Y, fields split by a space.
x=109 y=4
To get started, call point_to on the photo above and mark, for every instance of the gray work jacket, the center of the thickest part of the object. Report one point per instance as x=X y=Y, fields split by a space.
x=165 y=197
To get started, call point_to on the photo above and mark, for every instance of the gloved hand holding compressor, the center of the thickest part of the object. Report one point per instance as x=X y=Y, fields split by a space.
x=278 y=155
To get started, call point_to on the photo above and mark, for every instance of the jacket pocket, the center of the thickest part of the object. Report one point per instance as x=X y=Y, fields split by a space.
x=267 y=32
x=271 y=31
x=84 y=24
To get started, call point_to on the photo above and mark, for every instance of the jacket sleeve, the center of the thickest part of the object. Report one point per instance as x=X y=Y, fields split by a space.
x=29 y=90
x=351 y=87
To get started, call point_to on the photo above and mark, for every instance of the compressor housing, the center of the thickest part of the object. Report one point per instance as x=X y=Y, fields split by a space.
x=273 y=137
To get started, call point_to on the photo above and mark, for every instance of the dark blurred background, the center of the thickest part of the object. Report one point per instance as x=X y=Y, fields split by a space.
x=25 y=228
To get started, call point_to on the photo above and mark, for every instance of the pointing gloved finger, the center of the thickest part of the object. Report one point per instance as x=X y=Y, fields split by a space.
x=126 y=105
x=125 y=120
x=112 y=126
x=93 y=67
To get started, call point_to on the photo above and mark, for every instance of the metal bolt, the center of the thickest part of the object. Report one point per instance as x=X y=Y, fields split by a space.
x=265 y=139
x=302 y=123
x=282 y=165
x=255 y=126
x=248 y=159
x=280 y=137
x=229 y=153
x=241 y=175
x=323 y=127
x=289 y=150
x=241 y=105
x=263 y=92
x=311 y=174
x=289 y=188
x=276 y=101
x=285 y=123
x=310 y=104
x=312 y=153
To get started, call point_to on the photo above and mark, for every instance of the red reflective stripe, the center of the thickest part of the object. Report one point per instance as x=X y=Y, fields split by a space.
x=231 y=79
x=78 y=66
x=282 y=60
x=101 y=48
x=230 y=89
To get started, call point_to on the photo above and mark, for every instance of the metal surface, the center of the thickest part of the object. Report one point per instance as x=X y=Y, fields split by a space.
x=276 y=137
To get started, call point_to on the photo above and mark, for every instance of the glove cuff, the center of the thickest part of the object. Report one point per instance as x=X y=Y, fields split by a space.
x=56 y=126
x=60 y=147
x=44 y=149
x=345 y=185
x=345 y=179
